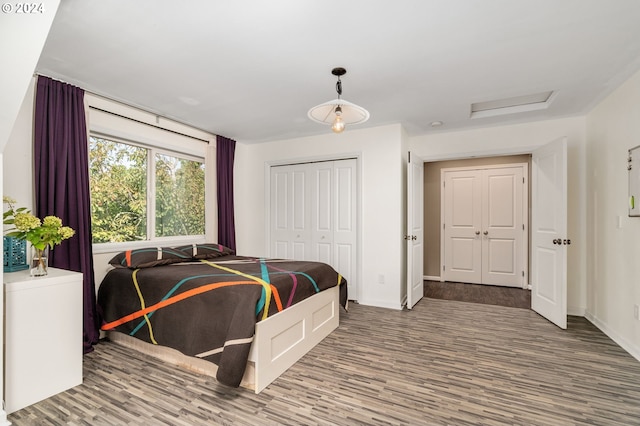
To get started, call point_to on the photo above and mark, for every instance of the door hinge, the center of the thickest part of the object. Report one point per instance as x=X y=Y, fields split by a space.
x=523 y=180
x=443 y=267
x=443 y=226
x=523 y=273
x=444 y=184
x=523 y=226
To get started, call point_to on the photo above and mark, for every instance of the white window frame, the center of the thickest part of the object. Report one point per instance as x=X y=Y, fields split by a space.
x=121 y=123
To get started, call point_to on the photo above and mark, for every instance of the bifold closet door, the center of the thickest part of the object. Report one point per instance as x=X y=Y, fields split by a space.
x=313 y=214
x=290 y=219
x=345 y=243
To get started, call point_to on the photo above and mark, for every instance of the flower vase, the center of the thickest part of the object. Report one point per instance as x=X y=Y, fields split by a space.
x=39 y=262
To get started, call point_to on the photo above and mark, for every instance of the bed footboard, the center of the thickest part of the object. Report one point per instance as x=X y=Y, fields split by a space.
x=279 y=342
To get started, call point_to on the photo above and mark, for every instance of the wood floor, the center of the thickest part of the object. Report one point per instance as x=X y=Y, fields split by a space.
x=442 y=363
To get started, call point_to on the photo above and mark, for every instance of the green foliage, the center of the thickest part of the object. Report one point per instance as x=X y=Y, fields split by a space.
x=179 y=196
x=118 y=184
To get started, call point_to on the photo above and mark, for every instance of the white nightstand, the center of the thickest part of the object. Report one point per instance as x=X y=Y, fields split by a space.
x=43 y=337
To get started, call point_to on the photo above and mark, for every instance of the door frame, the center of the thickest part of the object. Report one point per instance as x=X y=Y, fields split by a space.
x=318 y=159
x=526 y=284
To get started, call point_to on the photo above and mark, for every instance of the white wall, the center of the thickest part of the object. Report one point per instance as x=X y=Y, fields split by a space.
x=614 y=252
x=18 y=153
x=22 y=37
x=381 y=182
x=524 y=138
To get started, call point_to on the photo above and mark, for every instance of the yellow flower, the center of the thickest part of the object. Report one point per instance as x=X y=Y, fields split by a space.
x=26 y=222
x=48 y=232
x=66 y=232
x=52 y=221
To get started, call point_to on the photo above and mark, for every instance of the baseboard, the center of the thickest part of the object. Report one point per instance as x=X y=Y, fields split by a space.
x=430 y=278
x=633 y=350
x=381 y=304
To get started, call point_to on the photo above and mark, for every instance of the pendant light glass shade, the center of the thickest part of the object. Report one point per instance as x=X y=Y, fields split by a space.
x=338 y=113
x=351 y=113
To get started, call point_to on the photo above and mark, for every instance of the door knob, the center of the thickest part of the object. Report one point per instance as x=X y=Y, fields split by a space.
x=413 y=237
x=555 y=241
x=477 y=232
x=566 y=242
x=486 y=232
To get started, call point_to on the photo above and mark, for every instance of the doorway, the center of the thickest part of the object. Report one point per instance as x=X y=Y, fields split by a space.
x=433 y=231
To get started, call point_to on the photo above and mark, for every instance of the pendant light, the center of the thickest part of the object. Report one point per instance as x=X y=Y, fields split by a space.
x=338 y=112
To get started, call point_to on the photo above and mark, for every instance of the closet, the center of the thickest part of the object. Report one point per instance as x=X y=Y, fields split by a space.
x=484 y=237
x=313 y=215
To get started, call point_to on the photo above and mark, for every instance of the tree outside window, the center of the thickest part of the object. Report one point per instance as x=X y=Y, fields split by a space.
x=124 y=207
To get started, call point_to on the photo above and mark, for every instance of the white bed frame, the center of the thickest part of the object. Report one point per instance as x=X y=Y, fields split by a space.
x=279 y=341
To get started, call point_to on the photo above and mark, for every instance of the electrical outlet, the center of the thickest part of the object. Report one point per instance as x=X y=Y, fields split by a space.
x=636 y=312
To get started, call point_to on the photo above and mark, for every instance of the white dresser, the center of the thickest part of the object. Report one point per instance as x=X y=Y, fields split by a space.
x=43 y=336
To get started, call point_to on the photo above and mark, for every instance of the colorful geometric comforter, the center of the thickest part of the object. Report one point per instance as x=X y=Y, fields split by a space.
x=209 y=308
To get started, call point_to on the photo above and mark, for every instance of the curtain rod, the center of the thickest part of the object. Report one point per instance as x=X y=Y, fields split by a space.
x=148 y=124
x=129 y=118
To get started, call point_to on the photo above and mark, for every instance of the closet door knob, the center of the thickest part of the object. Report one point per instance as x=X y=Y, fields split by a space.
x=486 y=232
x=477 y=232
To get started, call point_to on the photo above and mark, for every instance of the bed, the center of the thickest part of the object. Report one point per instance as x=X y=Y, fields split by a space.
x=243 y=319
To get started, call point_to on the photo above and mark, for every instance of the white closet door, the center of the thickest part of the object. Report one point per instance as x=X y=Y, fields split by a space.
x=483 y=236
x=314 y=215
x=502 y=226
x=462 y=225
x=345 y=229
x=322 y=206
x=290 y=230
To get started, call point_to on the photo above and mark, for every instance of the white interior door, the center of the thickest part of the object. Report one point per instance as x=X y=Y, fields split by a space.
x=415 y=230
x=462 y=213
x=549 y=232
x=502 y=226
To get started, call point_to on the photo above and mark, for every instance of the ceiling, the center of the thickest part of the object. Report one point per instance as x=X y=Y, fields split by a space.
x=250 y=69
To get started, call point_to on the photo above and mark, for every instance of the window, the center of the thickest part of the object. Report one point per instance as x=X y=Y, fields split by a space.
x=142 y=193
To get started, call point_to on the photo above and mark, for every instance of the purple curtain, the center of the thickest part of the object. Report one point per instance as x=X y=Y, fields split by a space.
x=225 y=151
x=61 y=163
